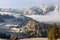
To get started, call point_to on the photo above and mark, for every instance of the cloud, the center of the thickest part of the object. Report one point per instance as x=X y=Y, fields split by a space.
x=53 y=17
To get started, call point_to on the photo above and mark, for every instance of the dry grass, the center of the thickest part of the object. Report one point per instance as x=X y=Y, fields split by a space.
x=35 y=39
x=3 y=39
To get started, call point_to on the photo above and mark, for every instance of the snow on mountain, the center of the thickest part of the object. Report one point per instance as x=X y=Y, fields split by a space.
x=40 y=13
x=38 y=10
x=41 y=10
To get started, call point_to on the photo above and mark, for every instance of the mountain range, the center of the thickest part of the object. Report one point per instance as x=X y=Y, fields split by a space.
x=38 y=10
x=38 y=18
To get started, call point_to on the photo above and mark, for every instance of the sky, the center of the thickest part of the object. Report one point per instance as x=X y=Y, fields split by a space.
x=26 y=3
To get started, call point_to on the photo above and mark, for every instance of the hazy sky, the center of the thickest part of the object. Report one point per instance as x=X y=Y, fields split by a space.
x=25 y=3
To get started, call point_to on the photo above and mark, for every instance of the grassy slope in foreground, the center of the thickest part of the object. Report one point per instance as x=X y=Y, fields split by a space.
x=35 y=39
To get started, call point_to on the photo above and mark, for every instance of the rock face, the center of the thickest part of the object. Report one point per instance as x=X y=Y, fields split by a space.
x=34 y=27
x=32 y=24
x=57 y=8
